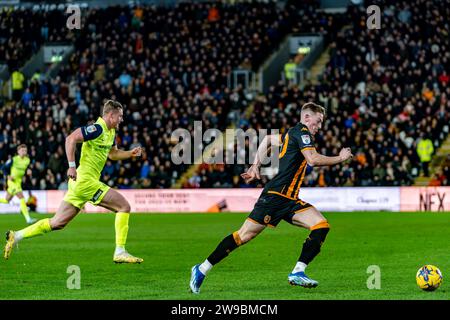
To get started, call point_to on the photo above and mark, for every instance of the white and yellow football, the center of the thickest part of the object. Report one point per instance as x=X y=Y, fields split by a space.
x=429 y=277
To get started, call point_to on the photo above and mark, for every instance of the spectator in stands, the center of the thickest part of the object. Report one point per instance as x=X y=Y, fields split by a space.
x=289 y=71
x=213 y=14
x=17 y=84
x=435 y=181
x=27 y=97
x=446 y=175
x=425 y=150
x=57 y=163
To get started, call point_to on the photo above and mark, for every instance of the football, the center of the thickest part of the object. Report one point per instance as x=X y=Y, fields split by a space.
x=429 y=278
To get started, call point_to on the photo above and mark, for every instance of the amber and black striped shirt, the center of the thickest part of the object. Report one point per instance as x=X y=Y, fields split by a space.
x=292 y=163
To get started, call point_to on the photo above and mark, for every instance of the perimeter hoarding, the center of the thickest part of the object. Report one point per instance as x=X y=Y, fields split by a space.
x=425 y=199
x=242 y=200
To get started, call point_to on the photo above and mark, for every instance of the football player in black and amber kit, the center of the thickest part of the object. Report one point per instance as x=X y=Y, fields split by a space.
x=279 y=199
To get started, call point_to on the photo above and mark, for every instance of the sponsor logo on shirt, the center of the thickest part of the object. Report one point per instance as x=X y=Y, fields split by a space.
x=91 y=128
x=306 y=139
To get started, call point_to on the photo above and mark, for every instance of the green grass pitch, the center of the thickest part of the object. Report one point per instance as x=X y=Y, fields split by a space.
x=399 y=243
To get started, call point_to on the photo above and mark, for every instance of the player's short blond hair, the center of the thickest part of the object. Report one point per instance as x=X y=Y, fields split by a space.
x=314 y=108
x=111 y=105
x=20 y=146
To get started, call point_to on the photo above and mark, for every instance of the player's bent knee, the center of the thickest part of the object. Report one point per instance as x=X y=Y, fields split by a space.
x=246 y=236
x=125 y=207
x=321 y=225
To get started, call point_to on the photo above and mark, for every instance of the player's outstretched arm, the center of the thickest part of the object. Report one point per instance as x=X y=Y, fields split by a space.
x=71 y=143
x=117 y=154
x=265 y=145
x=313 y=158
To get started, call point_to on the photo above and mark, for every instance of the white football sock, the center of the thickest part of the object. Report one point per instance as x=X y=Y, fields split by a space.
x=119 y=250
x=18 y=236
x=205 y=267
x=299 y=267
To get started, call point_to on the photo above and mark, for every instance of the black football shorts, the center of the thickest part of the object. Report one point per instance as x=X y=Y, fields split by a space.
x=270 y=209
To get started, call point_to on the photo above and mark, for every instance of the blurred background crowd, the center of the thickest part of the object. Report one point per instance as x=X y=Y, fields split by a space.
x=386 y=92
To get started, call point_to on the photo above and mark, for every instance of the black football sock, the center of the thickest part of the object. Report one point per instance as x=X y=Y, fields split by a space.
x=228 y=244
x=312 y=244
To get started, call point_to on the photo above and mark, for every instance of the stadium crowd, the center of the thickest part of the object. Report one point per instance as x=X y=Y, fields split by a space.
x=169 y=67
x=22 y=32
x=385 y=91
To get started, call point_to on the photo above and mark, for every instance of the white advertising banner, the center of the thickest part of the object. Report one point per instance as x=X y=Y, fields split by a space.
x=243 y=200
x=176 y=200
x=372 y=199
x=325 y=199
x=353 y=199
x=14 y=205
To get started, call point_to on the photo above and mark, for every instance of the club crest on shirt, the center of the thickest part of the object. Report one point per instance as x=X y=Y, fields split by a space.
x=91 y=128
x=267 y=219
x=306 y=139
